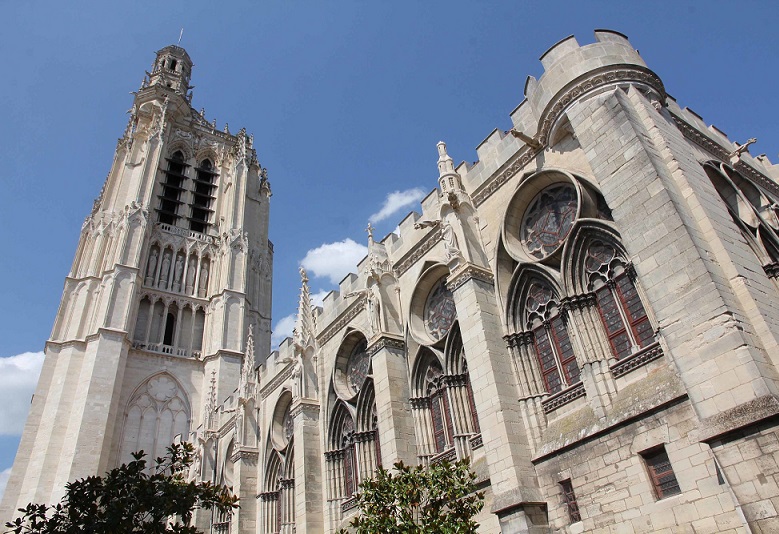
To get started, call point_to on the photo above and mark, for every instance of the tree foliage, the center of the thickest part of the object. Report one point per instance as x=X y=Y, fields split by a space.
x=440 y=499
x=129 y=499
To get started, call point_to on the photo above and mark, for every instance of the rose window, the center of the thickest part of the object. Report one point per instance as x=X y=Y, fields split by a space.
x=549 y=219
x=358 y=366
x=440 y=312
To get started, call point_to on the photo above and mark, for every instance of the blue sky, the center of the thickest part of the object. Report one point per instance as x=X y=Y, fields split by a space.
x=346 y=101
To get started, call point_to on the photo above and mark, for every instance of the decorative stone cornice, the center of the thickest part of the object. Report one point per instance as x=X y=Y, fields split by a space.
x=520 y=161
x=519 y=339
x=579 y=87
x=385 y=341
x=591 y=81
x=564 y=397
x=245 y=453
x=414 y=255
x=267 y=496
x=279 y=379
x=419 y=403
x=579 y=301
x=693 y=134
x=467 y=272
x=308 y=408
x=624 y=366
x=342 y=320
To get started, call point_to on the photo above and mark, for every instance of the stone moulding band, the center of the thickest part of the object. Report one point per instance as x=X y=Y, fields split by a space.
x=416 y=254
x=276 y=382
x=563 y=397
x=342 y=320
x=461 y=276
x=349 y=503
x=693 y=134
x=634 y=361
x=385 y=342
x=579 y=87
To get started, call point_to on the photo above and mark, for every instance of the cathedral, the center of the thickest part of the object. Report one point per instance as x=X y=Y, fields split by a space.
x=587 y=312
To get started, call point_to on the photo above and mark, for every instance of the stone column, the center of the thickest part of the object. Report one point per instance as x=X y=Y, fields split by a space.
x=397 y=440
x=245 y=487
x=308 y=467
x=508 y=453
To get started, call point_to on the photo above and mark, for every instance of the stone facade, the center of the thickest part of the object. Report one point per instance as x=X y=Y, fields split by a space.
x=588 y=312
x=173 y=270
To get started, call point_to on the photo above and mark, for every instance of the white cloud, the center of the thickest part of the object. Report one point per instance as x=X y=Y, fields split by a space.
x=282 y=330
x=18 y=378
x=4 y=474
x=318 y=298
x=396 y=201
x=334 y=260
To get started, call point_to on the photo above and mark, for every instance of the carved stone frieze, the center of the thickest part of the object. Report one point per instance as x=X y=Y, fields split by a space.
x=386 y=342
x=624 y=366
x=564 y=397
x=279 y=379
x=556 y=107
x=309 y=409
x=467 y=272
x=405 y=263
x=249 y=454
x=344 y=319
x=721 y=153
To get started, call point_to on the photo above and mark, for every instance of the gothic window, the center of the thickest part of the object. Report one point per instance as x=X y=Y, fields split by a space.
x=554 y=350
x=440 y=312
x=548 y=219
x=358 y=366
x=755 y=214
x=157 y=412
x=624 y=317
x=346 y=436
x=170 y=196
x=203 y=196
x=439 y=407
x=278 y=498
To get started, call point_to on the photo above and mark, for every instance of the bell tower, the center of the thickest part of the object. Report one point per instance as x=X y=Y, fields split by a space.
x=172 y=269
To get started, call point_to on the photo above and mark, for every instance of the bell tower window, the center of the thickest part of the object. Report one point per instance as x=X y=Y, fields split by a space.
x=202 y=197
x=170 y=196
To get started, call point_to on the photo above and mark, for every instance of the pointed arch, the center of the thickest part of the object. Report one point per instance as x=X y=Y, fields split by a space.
x=366 y=401
x=342 y=454
x=158 y=410
x=755 y=215
x=524 y=277
x=584 y=232
x=535 y=308
x=597 y=264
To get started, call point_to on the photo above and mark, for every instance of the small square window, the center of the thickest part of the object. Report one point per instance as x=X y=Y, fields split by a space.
x=661 y=473
x=569 y=498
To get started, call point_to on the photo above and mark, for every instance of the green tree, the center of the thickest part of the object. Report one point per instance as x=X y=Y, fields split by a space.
x=129 y=499
x=440 y=499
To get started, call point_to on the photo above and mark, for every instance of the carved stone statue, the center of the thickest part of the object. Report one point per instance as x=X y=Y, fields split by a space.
x=203 y=280
x=152 y=268
x=450 y=241
x=374 y=314
x=165 y=268
x=191 y=275
x=195 y=467
x=179 y=270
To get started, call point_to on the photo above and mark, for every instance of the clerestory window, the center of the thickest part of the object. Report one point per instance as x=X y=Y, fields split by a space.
x=554 y=349
x=619 y=305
